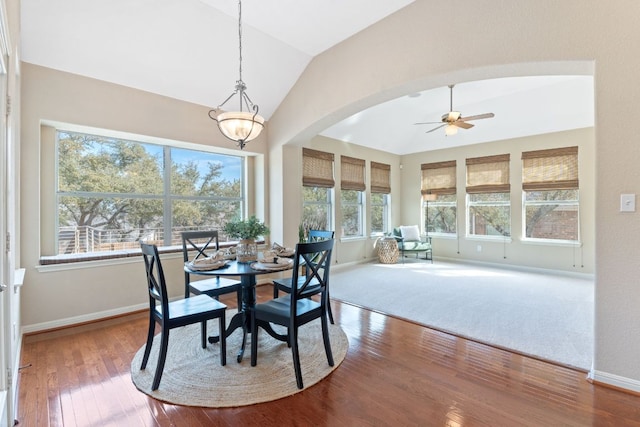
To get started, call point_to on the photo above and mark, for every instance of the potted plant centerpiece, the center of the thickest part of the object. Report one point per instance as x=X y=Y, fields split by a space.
x=246 y=231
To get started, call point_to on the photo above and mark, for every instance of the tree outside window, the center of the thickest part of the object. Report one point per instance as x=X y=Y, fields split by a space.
x=552 y=215
x=352 y=213
x=440 y=215
x=316 y=208
x=438 y=189
x=112 y=193
x=488 y=196
x=550 y=194
x=379 y=213
x=489 y=214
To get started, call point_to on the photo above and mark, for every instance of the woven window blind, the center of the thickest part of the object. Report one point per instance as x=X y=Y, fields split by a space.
x=352 y=174
x=488 y=174
x=317 y=168
x=380 y=178
x=439 y=178
x=555 y=169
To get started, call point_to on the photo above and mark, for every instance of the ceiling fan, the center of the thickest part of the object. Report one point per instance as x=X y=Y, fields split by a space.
x=454 y=120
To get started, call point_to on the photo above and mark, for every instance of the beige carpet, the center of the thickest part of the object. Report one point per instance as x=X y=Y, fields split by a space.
x=540 y=314
x=193 y=376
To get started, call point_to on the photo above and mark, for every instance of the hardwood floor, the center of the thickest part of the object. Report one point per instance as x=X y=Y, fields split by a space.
x=395 y=374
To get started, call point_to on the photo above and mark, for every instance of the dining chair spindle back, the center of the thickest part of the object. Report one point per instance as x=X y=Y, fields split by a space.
x=284 y=284
x=204 y=244
x=174 y=314
x=297 y=309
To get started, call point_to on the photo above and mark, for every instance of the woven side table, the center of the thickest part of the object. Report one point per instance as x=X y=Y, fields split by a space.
x=388 y=250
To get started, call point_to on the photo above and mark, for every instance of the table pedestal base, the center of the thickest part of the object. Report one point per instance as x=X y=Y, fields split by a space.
x=242 y=319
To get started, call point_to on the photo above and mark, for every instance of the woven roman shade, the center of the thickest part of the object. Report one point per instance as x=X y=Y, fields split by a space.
x=352 y=174
x=438 y=178
x=555 y=169
x=488 y=174
x=317 y=168
x=380 y=178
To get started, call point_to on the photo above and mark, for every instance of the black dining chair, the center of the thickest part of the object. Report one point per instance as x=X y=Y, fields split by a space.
x=284 y=284
x=297 y=309
x=174 y=314
x=203 y=243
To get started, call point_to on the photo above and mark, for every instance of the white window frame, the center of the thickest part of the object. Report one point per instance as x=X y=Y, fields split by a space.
x=470 y=204
x=360 y=205
x=386 y=214
x=166 y=197
x=570 y=203
x=438 y=203
x=328 y=203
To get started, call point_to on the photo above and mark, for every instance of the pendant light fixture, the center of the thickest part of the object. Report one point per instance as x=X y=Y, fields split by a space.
x=244 y=125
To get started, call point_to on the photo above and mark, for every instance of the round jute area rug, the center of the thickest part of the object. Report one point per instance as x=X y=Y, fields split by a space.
x=193 y=376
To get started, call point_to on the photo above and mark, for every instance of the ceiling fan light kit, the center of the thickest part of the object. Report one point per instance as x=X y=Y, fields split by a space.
x=453 y=120
x=450 y=130
x=451 y=116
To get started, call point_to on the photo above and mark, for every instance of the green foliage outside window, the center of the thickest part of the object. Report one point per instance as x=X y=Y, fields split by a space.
x=316 y=208
x=489 y=214
x=112 y=193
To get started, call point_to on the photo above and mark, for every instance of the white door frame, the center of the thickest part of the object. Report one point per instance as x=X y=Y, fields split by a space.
x=10 y=338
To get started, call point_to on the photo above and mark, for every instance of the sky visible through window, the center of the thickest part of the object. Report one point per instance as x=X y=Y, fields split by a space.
x=231 y=165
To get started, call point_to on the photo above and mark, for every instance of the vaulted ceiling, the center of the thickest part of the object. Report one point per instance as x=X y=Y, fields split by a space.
x=188 y=50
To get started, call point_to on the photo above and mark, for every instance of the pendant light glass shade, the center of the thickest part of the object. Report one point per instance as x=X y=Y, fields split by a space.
x=240 y=126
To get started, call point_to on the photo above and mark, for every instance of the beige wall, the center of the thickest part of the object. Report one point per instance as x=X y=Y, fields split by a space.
x=347 y=250
x=417 y=48
x=513 y=251
x=422 y=46
x=406 y=201
x=57 y=295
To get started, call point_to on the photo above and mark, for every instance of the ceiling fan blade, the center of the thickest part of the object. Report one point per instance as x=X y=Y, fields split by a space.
x=427 y=123
x=436 y=128
x=462 y=124
x=479 y=116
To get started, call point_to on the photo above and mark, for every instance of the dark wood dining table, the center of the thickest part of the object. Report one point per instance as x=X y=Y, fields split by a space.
x=242 y=319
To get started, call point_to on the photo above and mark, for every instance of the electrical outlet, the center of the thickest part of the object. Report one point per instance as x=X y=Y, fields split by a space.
x=479 y=248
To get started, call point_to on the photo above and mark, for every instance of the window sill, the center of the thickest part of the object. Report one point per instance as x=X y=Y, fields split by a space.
x=551 y=242
x=499 y=239
x=352 y=239
x=110 y=257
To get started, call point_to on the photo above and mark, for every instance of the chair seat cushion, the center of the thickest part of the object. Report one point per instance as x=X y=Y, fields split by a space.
x=280 y=307
x=213 y=287
x=414 y=246
x=193 y=306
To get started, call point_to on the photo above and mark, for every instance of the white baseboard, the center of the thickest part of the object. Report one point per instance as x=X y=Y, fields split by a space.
x=69 y=321
x=518 y=267
x=614 y=381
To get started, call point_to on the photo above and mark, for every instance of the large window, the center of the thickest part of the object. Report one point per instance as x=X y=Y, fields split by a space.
x=439 y=197
x=317 y=190
x=112 y=193
x=317 y=208
x=488 y=196
x=352 y=213
x=380 y=198
x=352 y=185
x=550 y=194
x=380 y=203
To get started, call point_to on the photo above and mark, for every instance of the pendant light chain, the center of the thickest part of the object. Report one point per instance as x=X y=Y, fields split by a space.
x=240 y=39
